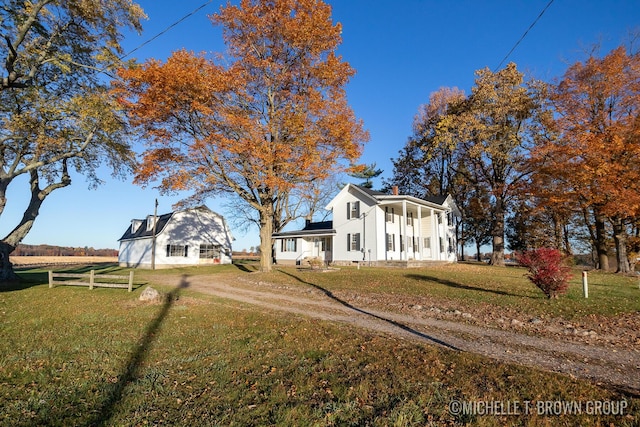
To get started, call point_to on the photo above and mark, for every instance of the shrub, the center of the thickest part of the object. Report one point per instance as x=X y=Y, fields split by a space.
x=315 y=262
x=547 y=270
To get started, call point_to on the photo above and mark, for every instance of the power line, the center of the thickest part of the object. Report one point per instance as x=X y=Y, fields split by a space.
x=524 y=35
x=196 y=10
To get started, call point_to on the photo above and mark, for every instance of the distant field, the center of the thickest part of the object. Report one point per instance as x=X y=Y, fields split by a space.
x=42 y=260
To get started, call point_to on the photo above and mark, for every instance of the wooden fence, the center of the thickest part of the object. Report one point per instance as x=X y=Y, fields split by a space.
x=92 y=280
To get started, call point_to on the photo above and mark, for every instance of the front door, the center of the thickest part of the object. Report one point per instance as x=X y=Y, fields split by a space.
x=323 y=246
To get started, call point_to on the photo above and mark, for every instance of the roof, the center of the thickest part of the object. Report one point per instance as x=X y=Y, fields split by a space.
x=143 y=230
x=380 y=196
x=370 y=192
x=322 y=228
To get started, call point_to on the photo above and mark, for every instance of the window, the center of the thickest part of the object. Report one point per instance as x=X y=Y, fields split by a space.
x=401 y=243
x=410 y=244
x=353 y=210
x=353 y=242
x=151 y=221
x=289 y=245
x=209 y=251
x=427 y=242
x=177 y=250
x=439 y=218
x=410 y=219
x=442 y=244
x=391 y=242
x=389 y=214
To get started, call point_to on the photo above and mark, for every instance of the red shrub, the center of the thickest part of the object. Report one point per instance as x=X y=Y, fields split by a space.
x=546 y=270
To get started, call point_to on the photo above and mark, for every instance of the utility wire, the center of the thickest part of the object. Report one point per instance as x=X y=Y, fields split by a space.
x=120 y=58
x=196 y=10
x=523 y=36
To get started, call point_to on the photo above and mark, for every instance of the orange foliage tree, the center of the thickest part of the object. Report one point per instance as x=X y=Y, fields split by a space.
x=595 y=157
x=272 y=118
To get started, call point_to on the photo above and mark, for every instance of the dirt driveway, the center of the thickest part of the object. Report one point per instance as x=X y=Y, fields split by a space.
x=612 y=366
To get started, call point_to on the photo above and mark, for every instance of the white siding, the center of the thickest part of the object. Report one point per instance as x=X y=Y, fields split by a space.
x=190 y=228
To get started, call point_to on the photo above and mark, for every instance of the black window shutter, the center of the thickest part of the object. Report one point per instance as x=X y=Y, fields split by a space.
x=357 y=241
x=348 y=210
x=348 y=242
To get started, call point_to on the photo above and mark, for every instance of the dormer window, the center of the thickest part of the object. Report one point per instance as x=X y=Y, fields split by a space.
x=135 y=224
x=151 y=220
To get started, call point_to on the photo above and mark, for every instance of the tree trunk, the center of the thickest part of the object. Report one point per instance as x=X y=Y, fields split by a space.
x=6 y=268
x=497 y=233
x=601 y=241
x=11 y=240
x=266 y=237
x=567 y=241
x=620 y=239
x=478 y=256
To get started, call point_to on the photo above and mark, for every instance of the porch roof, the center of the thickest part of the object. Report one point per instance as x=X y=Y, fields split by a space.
x=312 y=229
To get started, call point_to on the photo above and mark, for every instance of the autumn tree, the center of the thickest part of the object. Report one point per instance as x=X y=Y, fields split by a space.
x=426 y=168
x=597 y=155
x=258 y=122
x=491 y=132
x=56 y=114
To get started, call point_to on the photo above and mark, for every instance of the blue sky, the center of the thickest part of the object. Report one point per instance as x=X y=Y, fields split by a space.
x=402 y=51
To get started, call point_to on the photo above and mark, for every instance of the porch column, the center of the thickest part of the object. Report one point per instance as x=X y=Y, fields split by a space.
x=403 y=231
x=419 y=242
x=435 y=241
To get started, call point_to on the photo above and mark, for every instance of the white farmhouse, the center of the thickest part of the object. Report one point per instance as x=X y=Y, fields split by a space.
x=377 y=228
x=182 y=238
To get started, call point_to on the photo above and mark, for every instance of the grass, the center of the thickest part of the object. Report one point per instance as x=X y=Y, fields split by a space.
x=70 y=356
x=471 y=284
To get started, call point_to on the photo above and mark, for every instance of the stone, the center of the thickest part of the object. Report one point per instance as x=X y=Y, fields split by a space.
x=150 y=294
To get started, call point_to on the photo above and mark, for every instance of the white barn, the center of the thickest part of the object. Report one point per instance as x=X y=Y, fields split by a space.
x=182 y=238
x=374 y=227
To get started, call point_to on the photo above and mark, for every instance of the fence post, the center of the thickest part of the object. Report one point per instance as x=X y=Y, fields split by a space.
x=50 y=279
x=91 y=280
x=585 y=285
x=130 y=280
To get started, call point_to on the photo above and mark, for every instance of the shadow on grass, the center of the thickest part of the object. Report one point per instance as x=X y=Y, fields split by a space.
x=456 y=285
x=113 y=394
x=406 y=328
x=247 y=268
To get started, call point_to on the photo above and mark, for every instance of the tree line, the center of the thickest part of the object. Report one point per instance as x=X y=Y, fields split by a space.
x=51 y=250
x=542 y=164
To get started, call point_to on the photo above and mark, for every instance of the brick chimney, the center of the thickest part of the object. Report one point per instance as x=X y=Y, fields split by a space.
x=394 y=190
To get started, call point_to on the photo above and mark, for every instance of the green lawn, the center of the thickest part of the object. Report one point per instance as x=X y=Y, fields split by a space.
x=470 y=284
x=70 y=356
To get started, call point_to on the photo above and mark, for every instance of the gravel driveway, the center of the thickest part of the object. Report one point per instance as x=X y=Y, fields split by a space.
x=612 y=366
